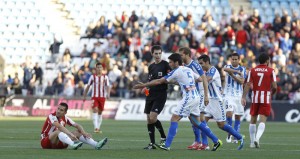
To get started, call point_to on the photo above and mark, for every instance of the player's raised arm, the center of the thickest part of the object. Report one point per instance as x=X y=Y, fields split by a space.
x=151 y=83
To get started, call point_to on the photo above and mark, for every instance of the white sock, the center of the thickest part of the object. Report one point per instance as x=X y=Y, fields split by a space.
x=89 y=141
x=252 y=132
x=95 y=120
x=99 y=121
x=260 y=130
x=65 y=138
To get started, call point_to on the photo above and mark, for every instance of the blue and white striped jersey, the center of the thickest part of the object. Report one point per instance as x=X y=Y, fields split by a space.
x=186 y=80
x=214 y=85
x=196 y=67
x=233 y=88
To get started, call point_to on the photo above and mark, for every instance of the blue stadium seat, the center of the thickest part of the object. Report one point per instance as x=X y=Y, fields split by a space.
x=225 y=3
x=255 y=4
x=269 y=12
x=215 y=2
x=284 y=4
x=264 y=4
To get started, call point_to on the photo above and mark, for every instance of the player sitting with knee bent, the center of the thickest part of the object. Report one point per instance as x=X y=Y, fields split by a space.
x=54 y=135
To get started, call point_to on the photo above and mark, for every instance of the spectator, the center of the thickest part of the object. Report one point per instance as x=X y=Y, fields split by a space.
x=58 y=87
x=54 y=49
x=78 y=92
x=16 y=87
x=49 y=91
x=133 y=18
x=38 y=73
x=122 y=82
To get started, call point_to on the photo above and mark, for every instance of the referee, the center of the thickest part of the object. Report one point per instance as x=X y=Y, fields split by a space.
x=157 y=97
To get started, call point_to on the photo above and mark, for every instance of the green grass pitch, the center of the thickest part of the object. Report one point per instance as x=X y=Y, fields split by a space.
x=20 y=139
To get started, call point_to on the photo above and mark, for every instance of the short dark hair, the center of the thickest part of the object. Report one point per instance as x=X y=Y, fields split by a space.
x=235 y=54
x=205 y=58
x=98 y=63
x=263 y=58
x=186 y=51
x=175 y=58
x=156 y=47
x=64 y=105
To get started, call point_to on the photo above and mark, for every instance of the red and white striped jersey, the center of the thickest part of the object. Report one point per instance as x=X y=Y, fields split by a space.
x=48 y=127
x=261 y=77
x=100 y=84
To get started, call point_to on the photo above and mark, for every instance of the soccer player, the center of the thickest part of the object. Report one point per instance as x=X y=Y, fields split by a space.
x=157 y=97
x=54 y=135
x=215 y=109
x=263 y=79
x=185 y=54
x=189 y=104
x=233 y=91
x=100 y=92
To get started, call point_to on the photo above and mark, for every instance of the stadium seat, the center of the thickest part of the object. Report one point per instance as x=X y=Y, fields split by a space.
x=264 y=4
x=255 y=4
x=196 y=2
x=215 y=2
x=269 y=12
x=284 y=4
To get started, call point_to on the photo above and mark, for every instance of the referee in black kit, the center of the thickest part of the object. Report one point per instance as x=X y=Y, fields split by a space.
x=156 y=99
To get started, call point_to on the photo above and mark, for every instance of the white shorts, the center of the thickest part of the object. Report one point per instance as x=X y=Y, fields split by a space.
x=215 y=110
x=234 y=104
x=187 y=106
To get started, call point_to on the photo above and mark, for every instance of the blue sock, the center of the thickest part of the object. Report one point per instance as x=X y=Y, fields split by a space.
x=197 y=133
x=237 y=125
x=204 y=137
x=204 y=128
x=231 y=131
x=171 y=134
x=229 y=121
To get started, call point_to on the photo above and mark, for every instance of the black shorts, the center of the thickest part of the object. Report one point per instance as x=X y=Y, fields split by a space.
x=156 y=102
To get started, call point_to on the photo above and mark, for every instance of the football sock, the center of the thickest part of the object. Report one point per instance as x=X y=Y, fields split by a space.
x=171 y=134
x=151 y=131
x=65 y=138
x=196 y=131
x=204 y=137
x=252 y=132
x=95 y=120
x=237 y=125
x=160 y=129
x=231 y=131
x=229 y=121
x=89 y=141
x=99 y=121
x=204 y=128
x=260 y=130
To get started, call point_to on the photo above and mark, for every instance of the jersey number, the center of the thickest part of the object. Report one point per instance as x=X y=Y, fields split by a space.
x=190 y=77
x=261 y=76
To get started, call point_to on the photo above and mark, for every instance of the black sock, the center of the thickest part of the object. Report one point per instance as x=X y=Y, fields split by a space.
x=160 y=129
x=151 y=131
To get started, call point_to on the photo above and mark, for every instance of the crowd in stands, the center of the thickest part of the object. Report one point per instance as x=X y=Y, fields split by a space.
x=124 y=50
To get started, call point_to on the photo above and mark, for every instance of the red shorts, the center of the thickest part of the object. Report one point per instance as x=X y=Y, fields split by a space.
x=98 y=102
x=260 y=108
x=46 y=144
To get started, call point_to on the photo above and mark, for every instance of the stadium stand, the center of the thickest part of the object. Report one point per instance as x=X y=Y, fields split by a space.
x=110 y=32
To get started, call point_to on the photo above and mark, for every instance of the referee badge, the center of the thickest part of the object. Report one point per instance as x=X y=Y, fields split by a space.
x=159 y=73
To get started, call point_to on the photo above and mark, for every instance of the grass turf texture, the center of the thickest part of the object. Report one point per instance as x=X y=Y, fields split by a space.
x=20 y=138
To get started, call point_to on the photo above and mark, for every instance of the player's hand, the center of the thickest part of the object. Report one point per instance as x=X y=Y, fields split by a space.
x=86 y=135
x=206 y=101
x=73 y=137
x=243 y=101
x=138 y=86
